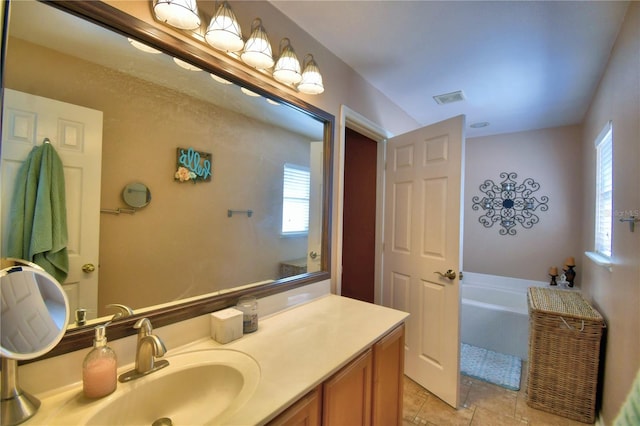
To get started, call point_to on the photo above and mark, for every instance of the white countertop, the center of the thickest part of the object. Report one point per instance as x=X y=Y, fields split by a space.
x=296 y=349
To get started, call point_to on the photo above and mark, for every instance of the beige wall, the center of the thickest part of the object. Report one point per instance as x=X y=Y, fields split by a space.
x=551 y=158
x=182 y=243
x=616 y=294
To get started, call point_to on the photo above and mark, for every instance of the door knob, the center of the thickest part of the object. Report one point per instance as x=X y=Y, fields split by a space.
x=449 y=274
x=313 y=255
x=88 y=268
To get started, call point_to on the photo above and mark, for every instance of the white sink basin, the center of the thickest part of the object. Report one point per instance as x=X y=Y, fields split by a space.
x=200 y=387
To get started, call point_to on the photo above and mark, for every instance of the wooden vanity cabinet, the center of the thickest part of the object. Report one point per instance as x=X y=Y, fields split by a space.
x=388 y=378
x=305 y=412
x=368 y=391
x=346 y=398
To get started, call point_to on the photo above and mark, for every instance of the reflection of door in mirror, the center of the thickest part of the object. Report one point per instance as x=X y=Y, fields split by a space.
x=76 y=133
x=33 y=314
x=314 y=241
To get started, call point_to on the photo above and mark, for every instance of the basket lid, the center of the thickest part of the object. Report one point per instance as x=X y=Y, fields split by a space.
x=565 y=302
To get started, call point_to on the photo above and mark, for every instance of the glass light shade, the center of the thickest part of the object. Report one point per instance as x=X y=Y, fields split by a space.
x=287 y=68
x=220 y=79
x=249 y=92
x=186 y=65
x=257 y=50
x=224 y=31
x=181 y=14
x=311 y=83
x=143 y=47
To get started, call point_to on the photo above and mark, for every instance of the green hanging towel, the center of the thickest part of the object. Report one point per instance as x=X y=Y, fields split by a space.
x=629 y=414
x=38 y=214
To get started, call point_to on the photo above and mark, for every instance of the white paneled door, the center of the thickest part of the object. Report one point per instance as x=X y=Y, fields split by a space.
x=422 y=250
x=314 y=240
x=76 y=134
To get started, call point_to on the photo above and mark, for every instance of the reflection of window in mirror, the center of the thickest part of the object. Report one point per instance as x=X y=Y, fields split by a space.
x=295 y=200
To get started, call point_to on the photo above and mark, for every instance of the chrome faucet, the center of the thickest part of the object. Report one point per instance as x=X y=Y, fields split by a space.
x=148 y=348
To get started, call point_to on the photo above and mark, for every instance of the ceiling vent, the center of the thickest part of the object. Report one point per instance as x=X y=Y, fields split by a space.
x=448 y=98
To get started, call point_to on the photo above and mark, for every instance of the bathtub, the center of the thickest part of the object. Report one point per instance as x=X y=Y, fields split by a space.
x=494 y=313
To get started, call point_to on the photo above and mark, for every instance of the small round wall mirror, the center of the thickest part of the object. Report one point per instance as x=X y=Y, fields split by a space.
x=136 y=195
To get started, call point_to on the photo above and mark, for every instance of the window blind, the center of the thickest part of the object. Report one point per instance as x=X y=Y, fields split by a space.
x=604 y=192
x=295 y=199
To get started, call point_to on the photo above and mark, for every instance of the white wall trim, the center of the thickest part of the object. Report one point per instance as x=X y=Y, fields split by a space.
x=599 y=259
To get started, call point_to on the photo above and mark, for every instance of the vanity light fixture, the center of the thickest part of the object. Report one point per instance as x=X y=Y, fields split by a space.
x=257 y=50
x=287 y=68
x=249 y=92
x=181 y=14
x=224 y=31
x=311 y=83
x=186 y=65
x=142 y=46
x=220 y=79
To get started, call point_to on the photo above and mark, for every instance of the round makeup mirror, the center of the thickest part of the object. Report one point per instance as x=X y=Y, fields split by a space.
x=35 y=312
x=136 y=195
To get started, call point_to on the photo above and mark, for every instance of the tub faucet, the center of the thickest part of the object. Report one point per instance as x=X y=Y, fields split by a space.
x=149 y=347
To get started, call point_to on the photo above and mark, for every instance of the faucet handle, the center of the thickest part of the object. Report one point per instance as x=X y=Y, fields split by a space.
x=143 y=325
x=159 y=346
x=123 y=311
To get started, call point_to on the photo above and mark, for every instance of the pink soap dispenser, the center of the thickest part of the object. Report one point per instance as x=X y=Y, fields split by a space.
x=99 y=369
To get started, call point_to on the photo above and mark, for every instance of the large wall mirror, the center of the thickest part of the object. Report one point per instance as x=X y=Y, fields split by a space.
x=201 y=243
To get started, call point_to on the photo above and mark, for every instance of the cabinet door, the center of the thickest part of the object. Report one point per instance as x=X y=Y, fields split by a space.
x=347 y=395
x=388 y=376
x=305 y=412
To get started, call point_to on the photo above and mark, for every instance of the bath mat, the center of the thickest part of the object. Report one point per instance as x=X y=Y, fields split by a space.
x=489 y=366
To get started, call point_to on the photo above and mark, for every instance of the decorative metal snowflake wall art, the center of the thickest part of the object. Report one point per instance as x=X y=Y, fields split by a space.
x=509 y=203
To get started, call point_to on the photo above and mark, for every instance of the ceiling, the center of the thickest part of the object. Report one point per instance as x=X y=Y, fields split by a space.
x=520 y=65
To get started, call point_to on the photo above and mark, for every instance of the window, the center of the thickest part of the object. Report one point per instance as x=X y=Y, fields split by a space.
x=604 y=191
x=295 y=200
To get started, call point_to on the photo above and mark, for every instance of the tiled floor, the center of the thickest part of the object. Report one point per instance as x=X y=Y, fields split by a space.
x=482 y=404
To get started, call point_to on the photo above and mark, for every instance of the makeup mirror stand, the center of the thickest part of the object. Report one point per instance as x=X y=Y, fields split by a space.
x=17 y=405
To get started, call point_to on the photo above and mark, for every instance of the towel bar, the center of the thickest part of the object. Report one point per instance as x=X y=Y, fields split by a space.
x=232 y=212
x=118 y=211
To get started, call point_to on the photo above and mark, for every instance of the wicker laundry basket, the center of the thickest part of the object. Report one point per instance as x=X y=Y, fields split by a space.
x=564 y=353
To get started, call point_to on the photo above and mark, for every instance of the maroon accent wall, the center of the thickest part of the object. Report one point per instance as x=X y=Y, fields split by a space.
x=359 y=217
